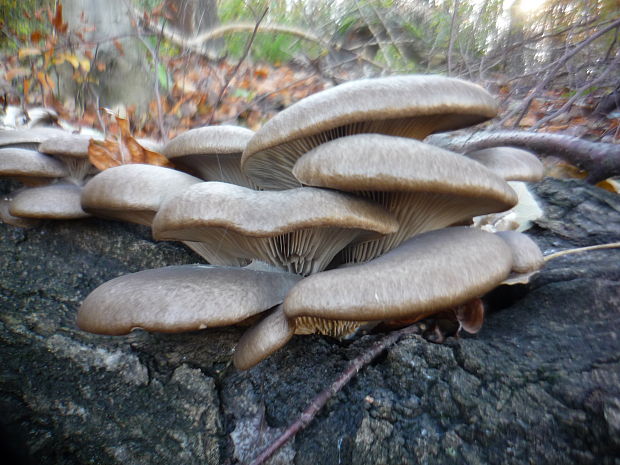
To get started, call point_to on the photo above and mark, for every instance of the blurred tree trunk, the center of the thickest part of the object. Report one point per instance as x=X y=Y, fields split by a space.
x=122 y=74
x=192 y=17
x=515 y=62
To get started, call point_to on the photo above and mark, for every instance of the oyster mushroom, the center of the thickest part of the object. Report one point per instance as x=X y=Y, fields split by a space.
x=527 y=258
x=28 y=138
x=429 y=272
x=133 y=192
x=423 y=186
x=72 y=150
x=60 y=201
x=212 y=153
x=181 y=298
x=510 y=163
x=30 y=167
x=410 y=106
x=299 y=230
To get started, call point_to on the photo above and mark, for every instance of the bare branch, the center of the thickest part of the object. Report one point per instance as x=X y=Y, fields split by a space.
x=241 y=60
x=320 y=400
x=600 y=160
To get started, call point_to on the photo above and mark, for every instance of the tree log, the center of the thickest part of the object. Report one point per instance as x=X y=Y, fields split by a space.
x=599 y=160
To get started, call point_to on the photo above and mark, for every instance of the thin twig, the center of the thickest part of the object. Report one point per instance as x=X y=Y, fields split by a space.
x=578 y=93
x=320 y=400
x=234 y=71
x=522 y=110
x=611 y=245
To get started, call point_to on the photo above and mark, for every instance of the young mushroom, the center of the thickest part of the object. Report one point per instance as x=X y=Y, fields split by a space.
x=299 y=230
x=60 y=201
x=423 y=186
x=409 y=106
x=510 y=163
x=527 y=258
x=30 y=167
x=181 y=298
x=212 y=153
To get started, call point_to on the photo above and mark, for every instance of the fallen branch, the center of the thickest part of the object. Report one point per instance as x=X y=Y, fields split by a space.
x=320 y=400
x=599 y=160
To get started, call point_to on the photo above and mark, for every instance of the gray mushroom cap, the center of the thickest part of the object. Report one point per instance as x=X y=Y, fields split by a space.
x=510 y=163
x=411 y=106
x=298 y=229
x=7 y=218
x=54 y=201
x=28 y=138
x=263 y=339
x=181 y=298
x=133 y=192
x=69 y=145
x=423 y=186
x=25 y=164
x=527 y=258
x=212 y=153
x=429 y=272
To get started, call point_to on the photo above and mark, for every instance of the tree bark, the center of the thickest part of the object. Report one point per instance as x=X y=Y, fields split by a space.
x=126 y=79
x=600 y=160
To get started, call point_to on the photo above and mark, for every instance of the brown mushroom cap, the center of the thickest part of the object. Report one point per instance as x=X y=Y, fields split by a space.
x=133 y=192
x=510 y=163
x=263 y=339
x=410 y=106
x=54 y=201
x=29 y=165
x=427 y=273
x=212 y=153
x=423 y=186
x=298 y=229
x=181 y=298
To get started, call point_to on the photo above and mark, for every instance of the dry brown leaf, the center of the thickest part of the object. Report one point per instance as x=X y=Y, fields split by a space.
x=109 y=153
x=16 y=73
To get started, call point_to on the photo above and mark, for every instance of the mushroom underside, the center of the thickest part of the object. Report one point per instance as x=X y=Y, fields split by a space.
x=271 y=168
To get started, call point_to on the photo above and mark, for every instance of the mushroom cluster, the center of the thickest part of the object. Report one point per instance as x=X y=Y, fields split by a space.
x=334 y=215
x=53 y=166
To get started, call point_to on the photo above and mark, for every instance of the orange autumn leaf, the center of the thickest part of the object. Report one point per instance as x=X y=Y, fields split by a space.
x=16 y=73
x=125 y=150
x=103 y=154
x=57 y=23
x=119 y=47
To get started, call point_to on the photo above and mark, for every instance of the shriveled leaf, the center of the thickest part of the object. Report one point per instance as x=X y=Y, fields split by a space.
x=118 y=47
x=125 y=150
x=28 y=52
x=16 y=73
x=103 y=154
x=57 y=23
x=36 y=36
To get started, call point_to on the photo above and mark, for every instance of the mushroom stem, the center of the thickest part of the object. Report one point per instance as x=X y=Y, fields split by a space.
x=320 y=400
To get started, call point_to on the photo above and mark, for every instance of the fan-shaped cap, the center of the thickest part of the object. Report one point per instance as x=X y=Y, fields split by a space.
x=212 y=153
x=527 y=259
x=133 y=192
x=431 y=271
x=69 y=145
x=263 y=339
x=28 y=138
x=411 y=106
x=7 y=218
x=424 y=186
x=181 y=298
x=54 y=201
x=27 y=164
x=510 y=163
x=298 y=229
